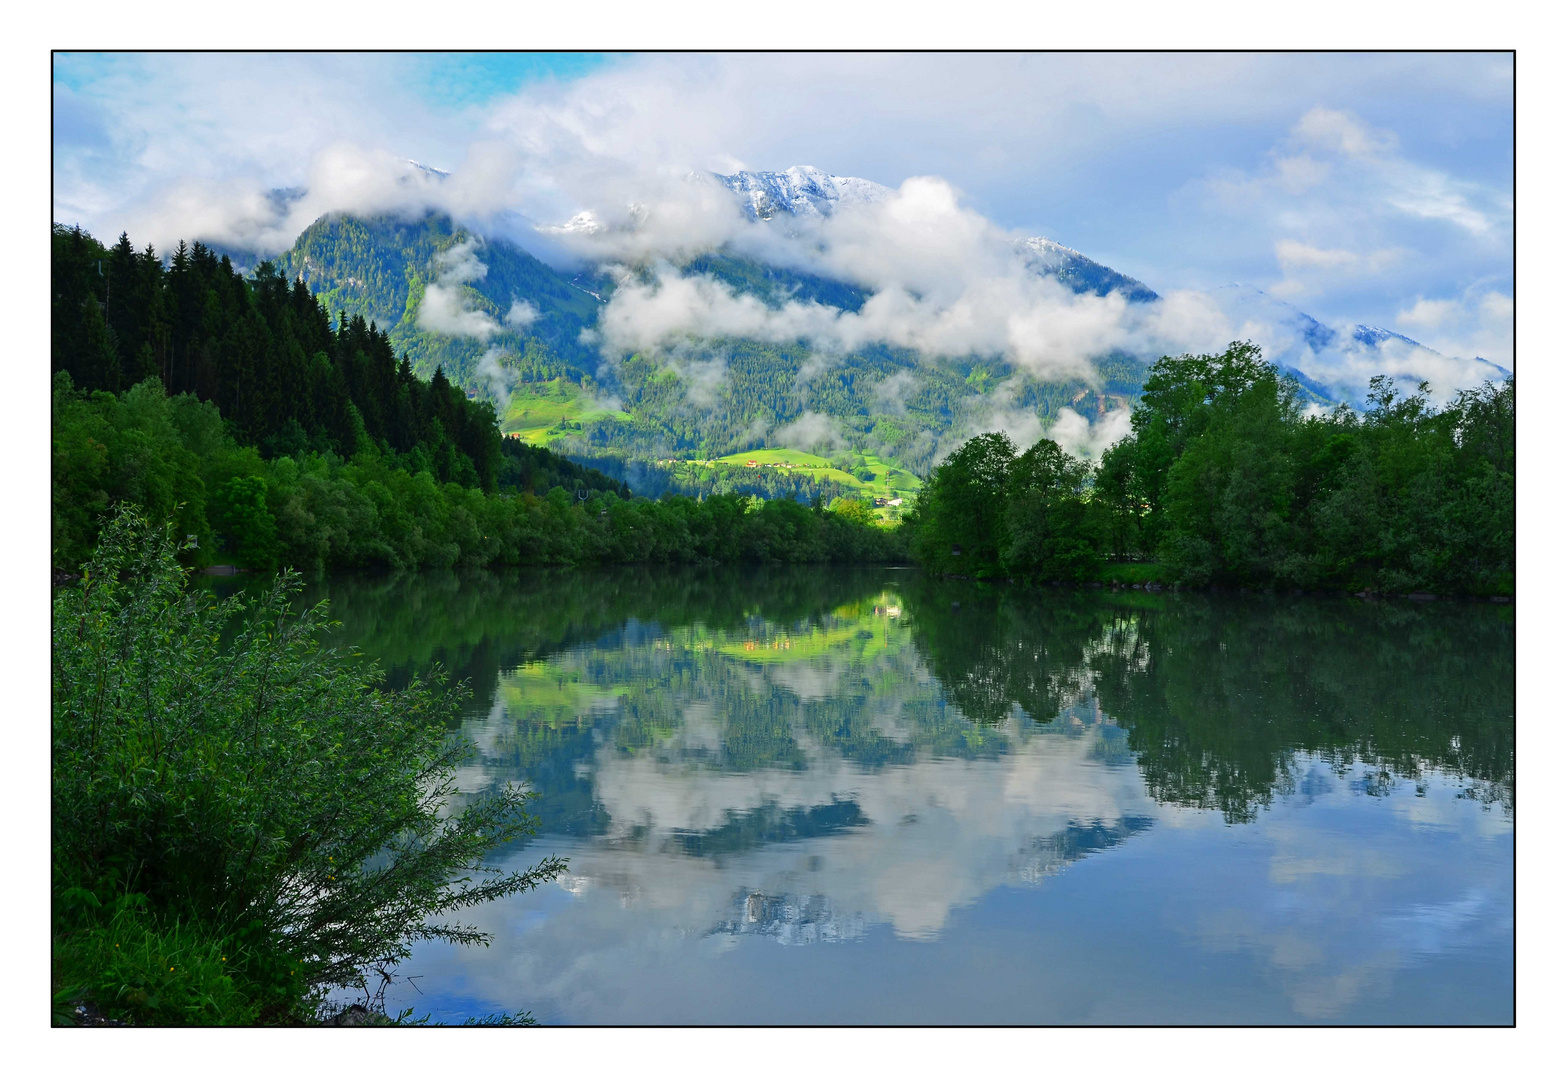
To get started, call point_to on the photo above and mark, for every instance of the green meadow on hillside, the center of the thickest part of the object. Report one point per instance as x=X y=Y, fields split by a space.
x=541 y=411
x=885 y=481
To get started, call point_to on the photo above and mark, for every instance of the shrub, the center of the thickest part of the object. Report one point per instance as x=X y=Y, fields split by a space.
x=256 y=789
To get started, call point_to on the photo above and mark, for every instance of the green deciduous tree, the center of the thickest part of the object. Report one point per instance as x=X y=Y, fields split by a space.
x=1049 y=523
x=960 y=517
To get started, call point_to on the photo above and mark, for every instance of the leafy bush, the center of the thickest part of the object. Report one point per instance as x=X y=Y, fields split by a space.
x=258 y=791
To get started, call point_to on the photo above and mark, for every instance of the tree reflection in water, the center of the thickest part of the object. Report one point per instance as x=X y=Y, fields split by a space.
x=1217 y=694
x=808 y=754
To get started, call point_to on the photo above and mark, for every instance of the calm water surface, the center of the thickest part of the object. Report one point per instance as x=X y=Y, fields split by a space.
x=863 y=796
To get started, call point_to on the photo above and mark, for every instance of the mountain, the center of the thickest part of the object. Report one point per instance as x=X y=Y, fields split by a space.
x=390 y=271
x=1331 y=365
x=506 y=325
x=809 y=193
x=1335 y=365
x=1078 y=272
x=800 y=191
x=882 y=403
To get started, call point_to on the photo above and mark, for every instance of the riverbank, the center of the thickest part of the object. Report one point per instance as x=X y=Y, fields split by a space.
x=1157 y=577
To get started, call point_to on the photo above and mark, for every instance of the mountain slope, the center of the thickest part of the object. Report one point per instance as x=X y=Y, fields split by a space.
x=452 y=299
x=809 y=193
x=383 y=269
x=1336 y=364
x=799 y=191
x=1078 y=272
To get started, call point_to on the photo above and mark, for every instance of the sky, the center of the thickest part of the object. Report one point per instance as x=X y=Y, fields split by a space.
x=1360 y=187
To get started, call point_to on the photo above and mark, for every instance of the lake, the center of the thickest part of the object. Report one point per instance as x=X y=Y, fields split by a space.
x=864 y=796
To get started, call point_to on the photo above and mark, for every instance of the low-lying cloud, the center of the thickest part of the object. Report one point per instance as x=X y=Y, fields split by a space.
x=1480 y=322
x=521 y=314
x=809 y=432
x=497 y=379
x=942 y=281
x=444 y=308
x=1086 y=438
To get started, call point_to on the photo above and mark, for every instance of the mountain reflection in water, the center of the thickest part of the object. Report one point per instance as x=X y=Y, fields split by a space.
x=972 y=805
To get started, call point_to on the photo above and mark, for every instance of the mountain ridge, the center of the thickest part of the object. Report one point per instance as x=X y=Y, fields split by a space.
x=530 y=339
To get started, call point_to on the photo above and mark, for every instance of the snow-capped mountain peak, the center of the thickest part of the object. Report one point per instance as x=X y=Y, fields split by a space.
x=1376 y=335
x=803 y=191
x=800 y=191
x=1046 y=256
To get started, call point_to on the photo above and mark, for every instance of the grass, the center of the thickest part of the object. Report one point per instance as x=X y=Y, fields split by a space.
x=777 y=457
x=886 y=478
x=1135 y=573
x=134 y=967
x=537 y=410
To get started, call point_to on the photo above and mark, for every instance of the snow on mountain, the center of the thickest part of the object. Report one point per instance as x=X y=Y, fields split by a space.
x=801 y=191
x=1046 y=256
x=585 y=223
x=1079 y=272
x=1337 y=363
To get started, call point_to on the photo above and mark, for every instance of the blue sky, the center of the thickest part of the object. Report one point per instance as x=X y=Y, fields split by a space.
x=445 y=79
x=1360 y=187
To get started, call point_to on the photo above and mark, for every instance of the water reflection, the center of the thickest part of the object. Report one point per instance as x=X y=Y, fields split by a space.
x=974 y=806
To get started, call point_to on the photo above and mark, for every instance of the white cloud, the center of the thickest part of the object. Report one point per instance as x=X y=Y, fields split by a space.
x=444 y=309
x=892 y=393
x=1427 y=314
x=1478 y=323
x=1076 y=434
x=522 y=313
x=498 y=380
x=943 y=281
x=1340 y=132
x=1309 y=270
x=1293 y=254
x=810 y=431
x=1333 y=168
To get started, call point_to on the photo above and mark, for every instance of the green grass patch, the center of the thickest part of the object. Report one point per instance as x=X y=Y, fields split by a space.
x=777 y=457
x=886 y=479
x=131 y=965
x=1136 y=573
x=538 y=411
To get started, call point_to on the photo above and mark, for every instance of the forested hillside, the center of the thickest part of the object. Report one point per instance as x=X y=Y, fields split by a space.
x=711 y=397
x=235 y=408
x=265 y=352
x=381 y=269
